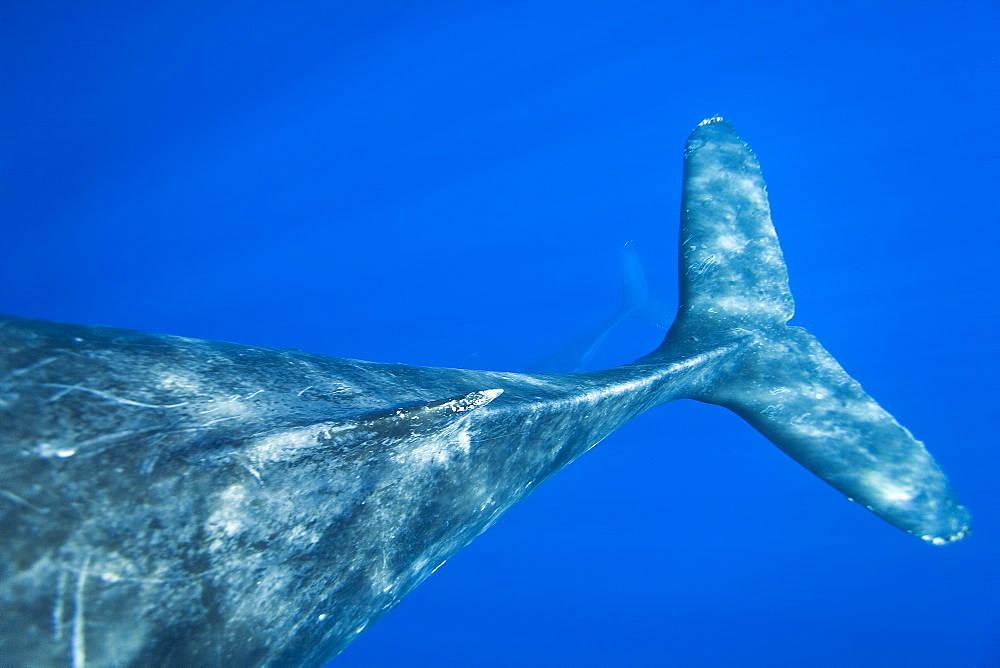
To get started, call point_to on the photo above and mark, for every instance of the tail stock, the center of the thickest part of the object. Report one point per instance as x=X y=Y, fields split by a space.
x=734 y=286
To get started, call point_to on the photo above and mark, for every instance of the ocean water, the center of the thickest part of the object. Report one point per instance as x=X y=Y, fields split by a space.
x=451 y=184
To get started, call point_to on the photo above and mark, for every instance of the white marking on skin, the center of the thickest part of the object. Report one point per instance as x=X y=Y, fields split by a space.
x=58 y=606
x=939 y=540
x=29 y=368
x=475 y=400
x=302 y=533
x=48 y=450
x=891 y=491
x=464 y=442
x=286 y=444
x=801 y=418
x=436 y=452
x=221 y=419
x=79 y=656
x=772 y=410
x=254 y=473
x=226 y=518
x=172 y=381
x=732 y=243
x=11 y=496
x=66 y=389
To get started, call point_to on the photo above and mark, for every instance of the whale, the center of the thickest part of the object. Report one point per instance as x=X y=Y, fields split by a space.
x=174 y=501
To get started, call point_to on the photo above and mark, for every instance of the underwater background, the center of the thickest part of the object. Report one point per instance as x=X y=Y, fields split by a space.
x=452 y=183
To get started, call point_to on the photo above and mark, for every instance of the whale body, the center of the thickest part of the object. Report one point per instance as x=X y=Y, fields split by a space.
x=173 y=501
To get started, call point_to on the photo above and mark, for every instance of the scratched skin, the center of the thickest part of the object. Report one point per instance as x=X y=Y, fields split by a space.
x=266 y=493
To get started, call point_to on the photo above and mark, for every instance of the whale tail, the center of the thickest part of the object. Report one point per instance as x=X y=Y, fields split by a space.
x=734 y=285
x=637 y=302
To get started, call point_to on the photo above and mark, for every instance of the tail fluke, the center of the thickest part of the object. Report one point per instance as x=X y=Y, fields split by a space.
x=734 y=285
x=637 y=302
x=637 y=299
x=732 y=269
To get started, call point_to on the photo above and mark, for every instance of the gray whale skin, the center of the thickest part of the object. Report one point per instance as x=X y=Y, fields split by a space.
x=173 y=501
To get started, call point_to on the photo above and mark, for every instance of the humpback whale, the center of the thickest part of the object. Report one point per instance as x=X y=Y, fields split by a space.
x=171 y=501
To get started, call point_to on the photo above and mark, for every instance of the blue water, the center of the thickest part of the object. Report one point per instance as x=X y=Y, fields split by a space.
x=451 y=184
